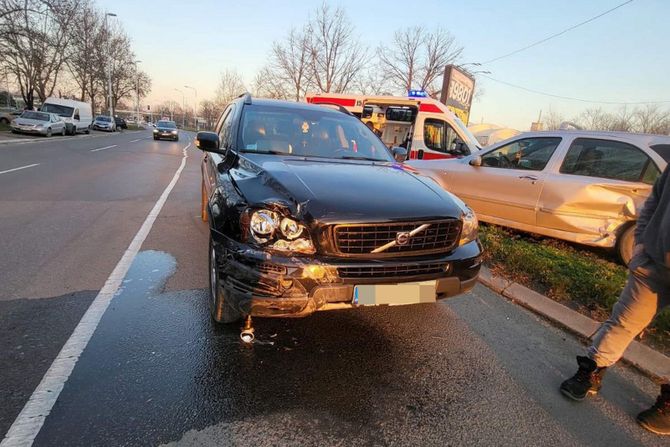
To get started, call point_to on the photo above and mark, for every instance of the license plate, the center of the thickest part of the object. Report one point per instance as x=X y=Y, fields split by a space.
x=395 y=294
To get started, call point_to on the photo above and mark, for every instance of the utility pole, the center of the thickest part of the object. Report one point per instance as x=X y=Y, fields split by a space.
x=183 y=108
x=109 y=65
x=195 y=107
x=137 y=73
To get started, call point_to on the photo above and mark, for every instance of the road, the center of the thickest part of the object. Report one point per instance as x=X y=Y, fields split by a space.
x=474 y=370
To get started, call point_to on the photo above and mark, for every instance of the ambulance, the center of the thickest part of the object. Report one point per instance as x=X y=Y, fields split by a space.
x=420 y=124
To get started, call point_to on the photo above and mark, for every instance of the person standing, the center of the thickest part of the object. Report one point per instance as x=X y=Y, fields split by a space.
x=647 y=291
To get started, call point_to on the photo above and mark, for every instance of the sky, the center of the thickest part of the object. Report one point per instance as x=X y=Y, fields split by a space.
x=622 y=56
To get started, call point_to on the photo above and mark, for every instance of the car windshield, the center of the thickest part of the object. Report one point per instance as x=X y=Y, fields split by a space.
x=103 y=118
x=168 y=124
x=35 y=116
x=309 y=132
x=58 y=110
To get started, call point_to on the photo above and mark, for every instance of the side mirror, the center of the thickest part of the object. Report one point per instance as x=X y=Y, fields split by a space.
x=476 y=161
x=399 y=153
x=77 y=117
x=208 y=142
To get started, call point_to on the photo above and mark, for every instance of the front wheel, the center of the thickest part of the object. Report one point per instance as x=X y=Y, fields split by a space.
x=220 y=307
x=62 y=132
x=625 y=244
x=49 y=132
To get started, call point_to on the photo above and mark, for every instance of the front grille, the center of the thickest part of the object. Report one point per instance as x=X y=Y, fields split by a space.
x=396 y=271
x=362 y=239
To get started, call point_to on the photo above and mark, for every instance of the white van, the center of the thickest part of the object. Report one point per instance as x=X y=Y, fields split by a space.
x=422 y=125
x=77 y=115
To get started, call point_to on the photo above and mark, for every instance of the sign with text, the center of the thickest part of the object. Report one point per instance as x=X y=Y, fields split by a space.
x=458 y=88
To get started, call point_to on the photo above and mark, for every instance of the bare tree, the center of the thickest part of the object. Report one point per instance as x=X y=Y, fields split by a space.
x=336 y=55
x=553 y=120
x=652 y=119
x=416 y=58
x=86 y=53
x=268 y=83
x=623 y=120
x=596 y=119
x=210 y=111
x=33 y=43
x=230 y=87
x=289 y=67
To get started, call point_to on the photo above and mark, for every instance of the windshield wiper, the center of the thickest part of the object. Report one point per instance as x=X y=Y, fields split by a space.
x=270 y=152
x=351 y=157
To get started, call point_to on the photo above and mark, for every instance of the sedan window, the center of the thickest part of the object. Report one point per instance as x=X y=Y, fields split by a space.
x=609 y=159
x=530 y=154
x=663 y=150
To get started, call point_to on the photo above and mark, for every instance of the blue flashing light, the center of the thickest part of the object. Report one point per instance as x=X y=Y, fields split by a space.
x=415 y=93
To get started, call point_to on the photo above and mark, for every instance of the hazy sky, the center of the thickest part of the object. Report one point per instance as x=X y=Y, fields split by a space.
x=622 y=56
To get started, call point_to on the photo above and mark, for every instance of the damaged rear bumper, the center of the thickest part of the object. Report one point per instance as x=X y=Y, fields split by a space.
x=262 y=284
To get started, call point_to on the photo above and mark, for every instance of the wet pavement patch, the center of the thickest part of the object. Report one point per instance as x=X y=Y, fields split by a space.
x=32 y=332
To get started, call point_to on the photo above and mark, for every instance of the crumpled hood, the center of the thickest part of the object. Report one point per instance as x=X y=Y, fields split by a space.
x=341 y=191
x=30 y=121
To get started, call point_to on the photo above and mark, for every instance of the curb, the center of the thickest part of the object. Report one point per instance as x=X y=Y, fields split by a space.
x=649 y=361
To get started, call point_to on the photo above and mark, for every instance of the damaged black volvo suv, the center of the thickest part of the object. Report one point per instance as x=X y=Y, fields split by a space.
x=308 y=210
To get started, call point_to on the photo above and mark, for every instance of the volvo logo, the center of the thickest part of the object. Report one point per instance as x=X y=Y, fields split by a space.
x=402 y=238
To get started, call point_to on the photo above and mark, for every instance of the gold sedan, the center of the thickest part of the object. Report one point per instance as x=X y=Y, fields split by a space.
x=584 y=187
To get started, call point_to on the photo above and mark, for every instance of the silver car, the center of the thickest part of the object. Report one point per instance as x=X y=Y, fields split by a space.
x=105 y=123
x=41 y=123
x=584 y=187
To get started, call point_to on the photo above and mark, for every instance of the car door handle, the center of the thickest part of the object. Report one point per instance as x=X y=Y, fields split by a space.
x=528 y=177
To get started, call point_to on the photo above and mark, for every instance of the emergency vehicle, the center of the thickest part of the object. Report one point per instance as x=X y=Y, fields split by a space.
x=422 y=125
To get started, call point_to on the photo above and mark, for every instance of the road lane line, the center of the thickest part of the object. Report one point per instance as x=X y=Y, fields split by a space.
x=103 y=148
x=29 y=422
x=135 y=141
x=19 y=168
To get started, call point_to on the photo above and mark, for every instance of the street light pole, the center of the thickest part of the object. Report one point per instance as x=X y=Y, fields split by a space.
x=183 y=108
x=137 y=73
x=195 y=106
x=109 y=65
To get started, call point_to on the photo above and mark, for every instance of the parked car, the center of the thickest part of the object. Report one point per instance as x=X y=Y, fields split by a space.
x=8 y=114
x=103 y=122
x=584 y=187
x=40 y=123
x=308 y=210
x=166 y=130
x=120 y=123
x=76 y=114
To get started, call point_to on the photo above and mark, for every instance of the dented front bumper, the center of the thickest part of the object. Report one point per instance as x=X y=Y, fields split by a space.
x=264 y=284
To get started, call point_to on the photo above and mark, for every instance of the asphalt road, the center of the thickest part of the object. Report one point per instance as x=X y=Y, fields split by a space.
x=474 y=370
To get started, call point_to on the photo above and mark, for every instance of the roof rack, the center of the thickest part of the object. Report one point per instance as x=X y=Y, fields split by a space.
x=247 y=97
x=338 y=106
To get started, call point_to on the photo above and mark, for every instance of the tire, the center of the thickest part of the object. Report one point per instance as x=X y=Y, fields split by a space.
x=176 y=139
x=219 y=307
x=62 y=132
x=48 y=132
x=4 y=121
x=87 y=131
x=155 y=139
x=625 y=244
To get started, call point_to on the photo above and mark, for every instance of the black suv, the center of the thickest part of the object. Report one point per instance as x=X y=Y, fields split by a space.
x=308 y=210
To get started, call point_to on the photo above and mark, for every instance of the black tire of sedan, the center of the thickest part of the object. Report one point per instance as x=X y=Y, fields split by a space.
x=49 y=132
x=625 y=244
x=220 y=309
x=62 y=132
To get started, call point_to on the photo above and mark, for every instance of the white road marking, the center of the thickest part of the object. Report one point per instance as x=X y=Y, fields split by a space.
x=19 y=168
x=103 y=148
x=135 y=141
x=29 y=422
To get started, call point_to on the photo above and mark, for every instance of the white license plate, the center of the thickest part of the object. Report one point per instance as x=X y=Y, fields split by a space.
x=395 y=294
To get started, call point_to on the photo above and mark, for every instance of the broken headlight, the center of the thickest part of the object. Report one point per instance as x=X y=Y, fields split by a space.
x=470 y=226
x=280 y=233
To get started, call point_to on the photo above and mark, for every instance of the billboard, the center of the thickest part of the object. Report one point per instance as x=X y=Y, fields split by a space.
x=458 y=87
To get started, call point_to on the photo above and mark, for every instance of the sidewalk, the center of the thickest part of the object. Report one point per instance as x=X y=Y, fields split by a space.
x=649 y=361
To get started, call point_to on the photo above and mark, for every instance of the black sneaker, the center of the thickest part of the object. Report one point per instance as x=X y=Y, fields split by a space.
x=586 y=381
x=657 y=418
